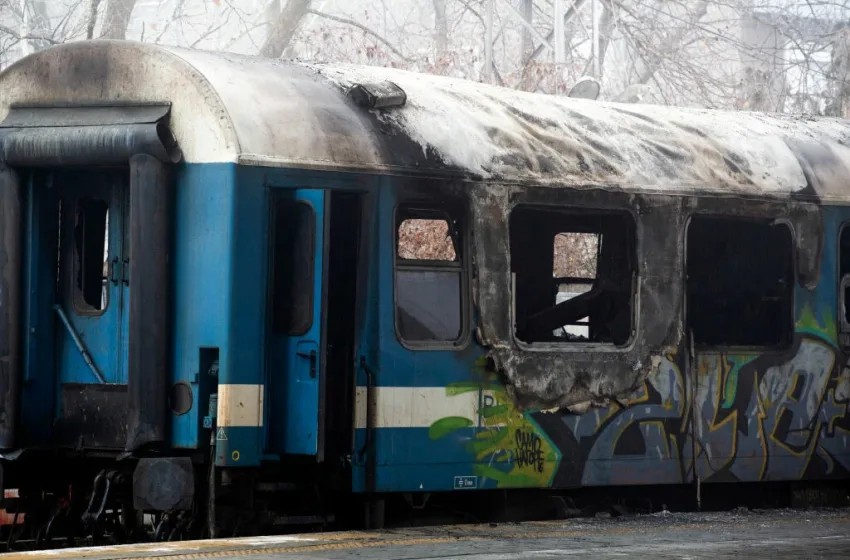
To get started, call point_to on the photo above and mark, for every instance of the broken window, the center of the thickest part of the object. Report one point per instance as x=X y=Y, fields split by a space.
x=740 y=282
x=293 y=267
x=844 y=281
x=429 y=276
x=575 y=271
x=573 y=275
x=91 y=255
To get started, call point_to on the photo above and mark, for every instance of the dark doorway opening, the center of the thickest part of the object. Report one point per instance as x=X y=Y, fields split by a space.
x=340 y=362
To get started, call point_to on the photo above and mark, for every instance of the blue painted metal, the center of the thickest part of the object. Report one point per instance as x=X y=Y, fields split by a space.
x=399 y=366
x=246 y=320
x=399 y=452
x=78 y=343
x=204 y=219
x=409 y=460
x=295 y=361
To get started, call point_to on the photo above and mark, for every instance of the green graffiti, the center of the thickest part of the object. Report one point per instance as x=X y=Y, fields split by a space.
x=730 y=388
x=490 y=411
x=809 y=324
x=508 y=447
x=445 y=426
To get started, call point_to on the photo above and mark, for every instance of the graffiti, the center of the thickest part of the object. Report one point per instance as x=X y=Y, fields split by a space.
x=506 y=447
x=736 y=416
x=529 y=450
x=774 y=416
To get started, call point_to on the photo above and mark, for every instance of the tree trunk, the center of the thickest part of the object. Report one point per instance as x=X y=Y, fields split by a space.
x=283 y=29
x=441 y=29
x=606 y=28
x=527 y=11
x=92 y=22
x=838 y=75
x=117 y=18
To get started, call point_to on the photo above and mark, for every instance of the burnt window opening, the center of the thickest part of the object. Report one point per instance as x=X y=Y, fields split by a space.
x=575 y=259
x=293 y=267
x=740 y=282
x=429 y=275
x=91 y=255
x=573 y=273
x=844 y=277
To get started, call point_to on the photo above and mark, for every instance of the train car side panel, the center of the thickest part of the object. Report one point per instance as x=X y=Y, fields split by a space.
x=204 y=227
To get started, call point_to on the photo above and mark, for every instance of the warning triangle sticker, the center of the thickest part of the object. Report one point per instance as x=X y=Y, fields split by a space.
x=221 y=436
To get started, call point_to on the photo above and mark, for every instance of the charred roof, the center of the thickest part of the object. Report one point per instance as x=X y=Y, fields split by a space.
x=231 y=108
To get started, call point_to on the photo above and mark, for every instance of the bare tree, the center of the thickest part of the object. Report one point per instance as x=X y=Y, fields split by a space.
x=284 y=27
x=117 y=18
x=441 y=29
x=839 y=76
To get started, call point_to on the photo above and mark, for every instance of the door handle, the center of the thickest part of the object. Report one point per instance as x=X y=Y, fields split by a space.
x=311 y=355
x=113 y=276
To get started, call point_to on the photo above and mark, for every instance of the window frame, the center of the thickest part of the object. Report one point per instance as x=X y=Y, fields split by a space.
x=588 y=346
x=415 y=209
x=274 y=323
x=740 y=348
x=78 y=302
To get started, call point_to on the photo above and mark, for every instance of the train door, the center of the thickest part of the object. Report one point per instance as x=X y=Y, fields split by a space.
x=91 y=305
x=295 y=295
x=740 y=316
x=315 y=253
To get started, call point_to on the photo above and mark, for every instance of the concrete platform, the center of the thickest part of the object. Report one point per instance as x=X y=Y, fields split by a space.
x=755 y=534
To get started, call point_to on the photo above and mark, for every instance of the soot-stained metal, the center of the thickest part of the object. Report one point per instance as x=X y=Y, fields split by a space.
x=702 y=172
x=11 y=247
x=557 y=376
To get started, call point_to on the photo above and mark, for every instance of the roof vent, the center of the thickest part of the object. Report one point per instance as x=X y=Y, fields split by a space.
x=379 y=95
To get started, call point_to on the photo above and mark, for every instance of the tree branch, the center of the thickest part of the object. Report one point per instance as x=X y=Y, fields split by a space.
x=28 y=37
x=362 y=27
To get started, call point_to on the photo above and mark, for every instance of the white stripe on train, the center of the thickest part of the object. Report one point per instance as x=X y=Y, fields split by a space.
x=395 y=407
x=414 y=407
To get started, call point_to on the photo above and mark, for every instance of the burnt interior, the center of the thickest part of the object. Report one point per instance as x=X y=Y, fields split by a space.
x=592 y=304
x=342 y=275
x=90 y=237
x=740 y=282
x=844 y=270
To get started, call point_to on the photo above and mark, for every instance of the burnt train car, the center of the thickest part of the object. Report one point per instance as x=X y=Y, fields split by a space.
x=217 y=290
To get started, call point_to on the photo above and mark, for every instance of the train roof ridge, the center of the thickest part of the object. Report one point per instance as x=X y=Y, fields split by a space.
x=236 y=108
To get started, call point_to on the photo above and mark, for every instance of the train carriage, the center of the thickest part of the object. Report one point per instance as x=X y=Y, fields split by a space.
x=229 y=281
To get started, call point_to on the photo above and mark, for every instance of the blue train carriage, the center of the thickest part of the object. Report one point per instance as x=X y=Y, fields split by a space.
x=345 y=279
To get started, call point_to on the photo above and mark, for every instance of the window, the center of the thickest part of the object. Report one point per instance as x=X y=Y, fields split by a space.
x=91 y=255
x=573 y=274
x=844 y=281
x=293 y=267
x=429 y=276
x=740 y=282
